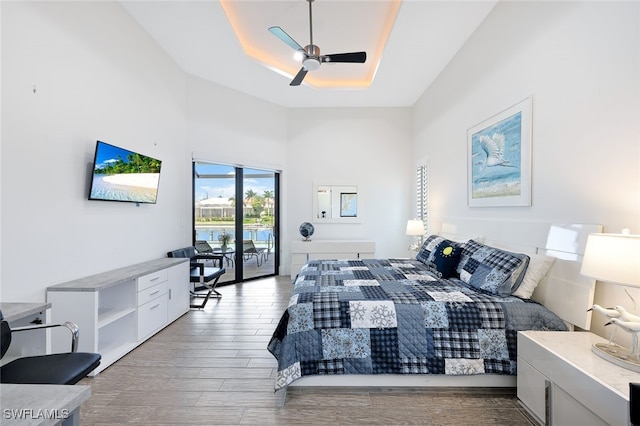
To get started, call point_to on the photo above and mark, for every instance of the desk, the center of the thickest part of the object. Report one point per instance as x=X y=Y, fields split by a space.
x=31 y=405
x=304 y=251
x=26 y=343
x=14 y=311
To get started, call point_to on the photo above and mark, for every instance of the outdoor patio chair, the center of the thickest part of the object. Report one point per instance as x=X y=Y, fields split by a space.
x=203 y=247
x=249 y=250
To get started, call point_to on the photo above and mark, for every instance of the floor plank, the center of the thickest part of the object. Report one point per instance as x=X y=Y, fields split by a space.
x=211 y=367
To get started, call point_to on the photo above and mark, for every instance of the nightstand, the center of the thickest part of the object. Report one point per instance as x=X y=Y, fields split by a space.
x=561 y=382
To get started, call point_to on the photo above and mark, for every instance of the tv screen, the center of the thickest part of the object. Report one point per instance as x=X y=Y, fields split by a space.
x=123 y=175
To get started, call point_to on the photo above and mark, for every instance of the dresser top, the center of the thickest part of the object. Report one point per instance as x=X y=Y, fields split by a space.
x=575 y=348
x=304 y=246
x=117 y=276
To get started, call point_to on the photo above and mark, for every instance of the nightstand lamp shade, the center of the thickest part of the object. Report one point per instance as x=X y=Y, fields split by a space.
x=614 y=258
x=415 y=228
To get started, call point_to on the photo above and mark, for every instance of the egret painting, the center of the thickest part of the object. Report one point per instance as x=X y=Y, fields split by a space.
x=499 y=159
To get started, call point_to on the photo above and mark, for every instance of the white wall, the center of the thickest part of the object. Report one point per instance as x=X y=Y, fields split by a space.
x=580 y=61
x=97 y=75
x=227 y=126
x=367 y=147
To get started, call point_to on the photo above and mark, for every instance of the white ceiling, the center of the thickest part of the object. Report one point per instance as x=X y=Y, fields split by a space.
x=424 y=38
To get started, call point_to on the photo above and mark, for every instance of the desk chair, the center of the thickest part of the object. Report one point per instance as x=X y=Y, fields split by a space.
x=53 y=369
x=202 y=277
x=634 y=404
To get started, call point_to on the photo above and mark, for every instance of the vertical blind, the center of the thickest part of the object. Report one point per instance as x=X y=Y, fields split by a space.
x=422 y=210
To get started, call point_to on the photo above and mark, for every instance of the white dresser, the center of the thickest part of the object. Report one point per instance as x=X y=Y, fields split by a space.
x=118 y=310
x=304 y=251
x=561 y=382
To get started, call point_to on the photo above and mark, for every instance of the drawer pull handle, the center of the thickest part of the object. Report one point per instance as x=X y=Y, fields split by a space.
x=154 y=279
x=155 y=292
x=547 y=403
x=154 y=306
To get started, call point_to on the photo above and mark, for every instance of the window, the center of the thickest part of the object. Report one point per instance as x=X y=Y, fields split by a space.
x=422 y=206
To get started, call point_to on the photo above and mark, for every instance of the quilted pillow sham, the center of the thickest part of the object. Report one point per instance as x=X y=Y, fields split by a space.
x=490 y=269
x=440 y=255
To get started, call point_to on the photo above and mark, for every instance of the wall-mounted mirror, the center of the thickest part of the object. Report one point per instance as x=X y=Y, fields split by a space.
x=335 y=203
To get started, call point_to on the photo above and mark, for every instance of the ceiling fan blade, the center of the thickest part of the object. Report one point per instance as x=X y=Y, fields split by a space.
x=353 y=57
x=299 y=77
x=282 y=35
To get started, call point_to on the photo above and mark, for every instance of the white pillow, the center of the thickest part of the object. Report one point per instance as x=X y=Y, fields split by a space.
x=538 y=267
x=464 y=240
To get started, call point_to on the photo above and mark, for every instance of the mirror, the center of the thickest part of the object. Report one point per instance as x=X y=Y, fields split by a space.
x=335 y=203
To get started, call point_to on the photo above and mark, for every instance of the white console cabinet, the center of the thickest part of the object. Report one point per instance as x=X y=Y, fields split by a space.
x=117 y=310
x=562 y=382
x=304 y=251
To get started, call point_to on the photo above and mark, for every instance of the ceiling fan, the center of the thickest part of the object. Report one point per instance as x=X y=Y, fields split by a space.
x=311 y=57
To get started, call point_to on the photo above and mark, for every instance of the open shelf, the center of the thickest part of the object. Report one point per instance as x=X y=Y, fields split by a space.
x=107 y=316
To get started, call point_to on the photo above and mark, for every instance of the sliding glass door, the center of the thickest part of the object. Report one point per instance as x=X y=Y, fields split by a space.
x=236 y=213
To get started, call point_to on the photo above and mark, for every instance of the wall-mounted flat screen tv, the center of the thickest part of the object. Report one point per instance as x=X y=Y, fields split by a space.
x=122 y=175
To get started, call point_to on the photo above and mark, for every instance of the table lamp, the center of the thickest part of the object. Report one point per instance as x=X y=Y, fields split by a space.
x=415 y=228
x=615 y=258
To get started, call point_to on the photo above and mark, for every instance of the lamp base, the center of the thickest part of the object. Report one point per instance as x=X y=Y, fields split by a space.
x=617 y=355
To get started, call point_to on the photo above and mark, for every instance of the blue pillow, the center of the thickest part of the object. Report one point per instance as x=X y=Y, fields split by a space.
x=490 y=269
x=440 y=255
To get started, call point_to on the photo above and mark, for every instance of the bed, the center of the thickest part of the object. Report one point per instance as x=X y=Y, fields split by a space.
x=446 y=318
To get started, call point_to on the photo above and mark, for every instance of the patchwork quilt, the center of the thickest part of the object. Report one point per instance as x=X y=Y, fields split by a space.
x=393 y=316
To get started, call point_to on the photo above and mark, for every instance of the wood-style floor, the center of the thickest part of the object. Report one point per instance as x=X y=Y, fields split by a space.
x=211 y=367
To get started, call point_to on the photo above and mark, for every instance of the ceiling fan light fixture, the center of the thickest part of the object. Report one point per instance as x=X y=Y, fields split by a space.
x=298 y=55
x=311 y=64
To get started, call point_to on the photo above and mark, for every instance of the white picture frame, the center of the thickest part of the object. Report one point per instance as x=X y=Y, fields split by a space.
x=499 y=158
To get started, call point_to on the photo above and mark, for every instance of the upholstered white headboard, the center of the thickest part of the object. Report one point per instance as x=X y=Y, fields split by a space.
x=564 y=290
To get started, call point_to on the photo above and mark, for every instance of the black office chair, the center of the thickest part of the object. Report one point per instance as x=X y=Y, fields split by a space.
x=634 y=404
x=53 y=369
x=203 y=277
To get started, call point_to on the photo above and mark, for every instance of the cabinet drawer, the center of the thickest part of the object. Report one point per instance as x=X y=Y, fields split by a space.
x=153 y=292
x=299 y=258
x=146 y=281
x=343 y=255
x=531 y=389
x=567 y=411
x=152 y=316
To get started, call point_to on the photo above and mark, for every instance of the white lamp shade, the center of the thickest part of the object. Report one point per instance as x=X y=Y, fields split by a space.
x=415 y=227
x=613 y=258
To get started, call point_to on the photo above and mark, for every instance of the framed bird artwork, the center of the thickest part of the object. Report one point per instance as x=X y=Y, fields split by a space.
x=499 y=158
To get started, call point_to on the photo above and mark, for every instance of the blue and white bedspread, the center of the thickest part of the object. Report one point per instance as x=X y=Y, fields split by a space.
x=391 y=316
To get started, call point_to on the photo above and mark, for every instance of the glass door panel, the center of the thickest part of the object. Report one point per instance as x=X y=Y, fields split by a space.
x=214 y=211
x=258 y=223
